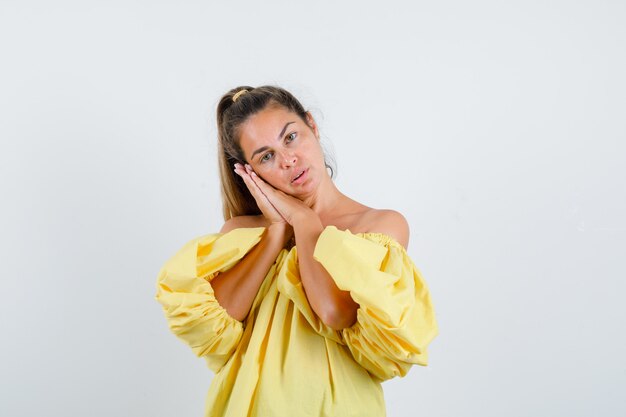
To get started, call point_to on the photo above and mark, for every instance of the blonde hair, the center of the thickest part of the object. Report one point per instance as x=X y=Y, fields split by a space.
x=233 y=109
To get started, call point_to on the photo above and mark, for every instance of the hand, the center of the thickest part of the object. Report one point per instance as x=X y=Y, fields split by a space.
x=268 y=210
x=289 y=207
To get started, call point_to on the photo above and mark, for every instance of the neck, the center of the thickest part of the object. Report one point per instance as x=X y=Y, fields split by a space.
x=325 y=198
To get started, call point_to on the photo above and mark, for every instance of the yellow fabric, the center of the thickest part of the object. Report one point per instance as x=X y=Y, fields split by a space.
x=282 y=360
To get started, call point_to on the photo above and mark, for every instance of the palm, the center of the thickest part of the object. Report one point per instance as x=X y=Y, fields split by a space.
x=268 y=210
x=286 y=205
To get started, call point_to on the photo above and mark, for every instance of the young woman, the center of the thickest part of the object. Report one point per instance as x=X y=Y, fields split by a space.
x=306 y=300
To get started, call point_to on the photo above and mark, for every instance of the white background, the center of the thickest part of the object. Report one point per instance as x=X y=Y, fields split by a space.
x=496 y=128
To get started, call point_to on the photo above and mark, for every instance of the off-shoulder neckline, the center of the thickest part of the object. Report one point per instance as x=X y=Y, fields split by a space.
x=382 y=237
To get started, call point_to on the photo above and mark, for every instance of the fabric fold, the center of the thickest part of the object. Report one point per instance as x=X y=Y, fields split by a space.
x=290 y=285
x=184 y=291
x=396 y=320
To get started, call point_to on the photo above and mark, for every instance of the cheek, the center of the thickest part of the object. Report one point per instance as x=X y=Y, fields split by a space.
x=316 y=152
x=267 y=174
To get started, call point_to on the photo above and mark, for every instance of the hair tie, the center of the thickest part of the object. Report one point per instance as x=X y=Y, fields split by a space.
x=238 y=94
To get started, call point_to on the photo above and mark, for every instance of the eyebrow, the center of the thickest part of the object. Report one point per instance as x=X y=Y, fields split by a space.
x=280 y=135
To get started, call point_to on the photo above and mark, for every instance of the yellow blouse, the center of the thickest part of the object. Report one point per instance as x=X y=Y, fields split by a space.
x=282 y=360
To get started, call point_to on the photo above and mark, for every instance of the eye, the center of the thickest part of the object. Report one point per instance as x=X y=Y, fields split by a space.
x=290 y=137
x=264 y=157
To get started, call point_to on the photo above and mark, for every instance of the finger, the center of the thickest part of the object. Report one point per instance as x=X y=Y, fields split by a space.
x=254 y=176
x=252 y=187
x=256 y=192
x=264 y=187
x=267 y=191
x=276 y=197
x=247 y=181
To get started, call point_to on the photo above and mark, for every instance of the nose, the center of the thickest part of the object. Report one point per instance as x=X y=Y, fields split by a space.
x=289 y=160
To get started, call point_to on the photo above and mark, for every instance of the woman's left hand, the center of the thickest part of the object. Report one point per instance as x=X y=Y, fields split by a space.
x=288 y=206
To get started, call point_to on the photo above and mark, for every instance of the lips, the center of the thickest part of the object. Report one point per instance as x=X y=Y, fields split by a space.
x=298 y=175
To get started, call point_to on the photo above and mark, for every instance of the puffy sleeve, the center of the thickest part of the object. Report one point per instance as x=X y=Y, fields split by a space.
x=395 y=320
x=185 y=293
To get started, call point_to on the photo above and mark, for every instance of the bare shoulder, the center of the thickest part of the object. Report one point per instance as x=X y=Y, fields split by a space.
x=243 y=221
x=389 y=222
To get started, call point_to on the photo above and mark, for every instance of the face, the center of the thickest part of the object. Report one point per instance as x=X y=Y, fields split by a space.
x=279 y=146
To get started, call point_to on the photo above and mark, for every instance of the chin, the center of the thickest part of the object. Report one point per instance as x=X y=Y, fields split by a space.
x=305 y=191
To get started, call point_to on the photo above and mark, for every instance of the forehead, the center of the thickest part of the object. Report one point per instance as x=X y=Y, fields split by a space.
x=262 y=128
x=268 y=121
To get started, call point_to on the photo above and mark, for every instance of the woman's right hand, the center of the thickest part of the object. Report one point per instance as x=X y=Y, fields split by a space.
x=268 y=210
x=276 y=221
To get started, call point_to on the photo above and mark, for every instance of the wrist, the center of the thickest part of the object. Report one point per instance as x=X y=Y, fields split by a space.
x=307 y=220
x=303 y=215
x=280 y=232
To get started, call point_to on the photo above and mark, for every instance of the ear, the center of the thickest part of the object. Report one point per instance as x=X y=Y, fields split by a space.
x=311 y=122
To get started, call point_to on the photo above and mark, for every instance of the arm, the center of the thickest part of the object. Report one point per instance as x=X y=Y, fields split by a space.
x=334 y=307
x=236 y=288
x=184 y=291
x=395 y=320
